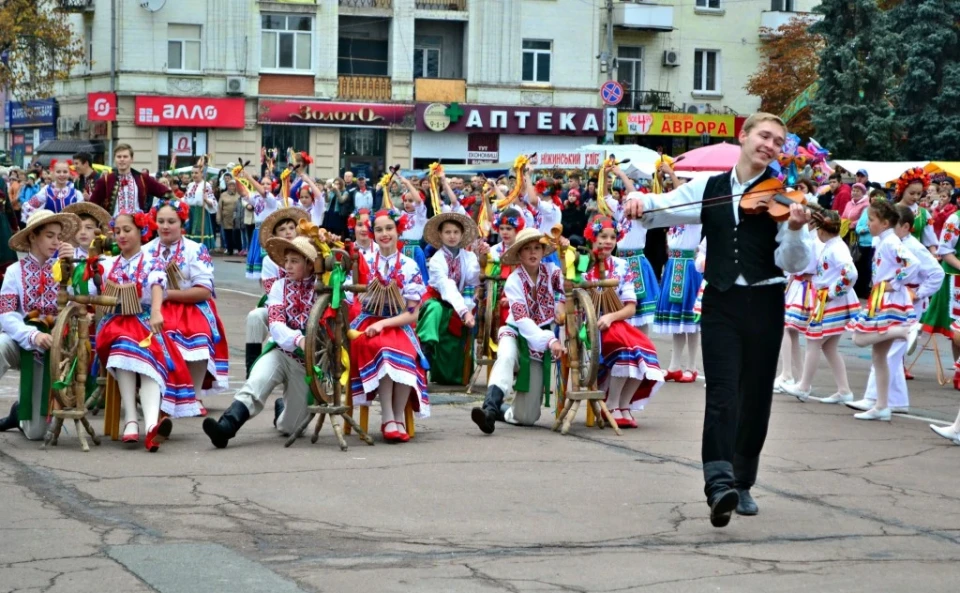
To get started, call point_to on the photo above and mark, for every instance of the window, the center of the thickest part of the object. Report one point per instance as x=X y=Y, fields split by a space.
x=426 y=57
x=280 y=137
x=183 y=47
x=186 y=143
x=88 y=41
x=708 y=4
x=536 y=61
x=286 y=42
x=363 y=57
x=783 y=6
x=706 y=70
x=630 y=67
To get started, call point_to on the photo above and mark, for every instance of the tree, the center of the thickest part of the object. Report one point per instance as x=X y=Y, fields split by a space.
x=37 y=47
x=928 y=95
x=852 y=113
x=789 y=58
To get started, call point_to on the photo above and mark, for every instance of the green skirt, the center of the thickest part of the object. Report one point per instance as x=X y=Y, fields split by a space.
x=450 y=356
x=937 y=319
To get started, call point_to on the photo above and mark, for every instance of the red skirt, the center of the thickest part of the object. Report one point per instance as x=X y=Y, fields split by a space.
x=119 y=347
x=395 y=353
x=197 y=331
x=625 y=351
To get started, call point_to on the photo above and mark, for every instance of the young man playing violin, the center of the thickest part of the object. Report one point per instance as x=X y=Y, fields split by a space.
x=743 y=304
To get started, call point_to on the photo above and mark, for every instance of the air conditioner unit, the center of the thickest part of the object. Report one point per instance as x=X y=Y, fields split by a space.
x=64 y=124
x=236 y=85
x=671 y=58
x=695 y=108
x=83 y=124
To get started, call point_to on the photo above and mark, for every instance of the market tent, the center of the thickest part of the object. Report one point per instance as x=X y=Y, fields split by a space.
x=882 y=172
x=640 y=157
x=715 y=157
x=951 y=168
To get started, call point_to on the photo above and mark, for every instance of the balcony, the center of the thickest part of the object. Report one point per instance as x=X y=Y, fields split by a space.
x=76 y=5
x=773 y=19
x=456 y=5
x=381 y=4
x=364 y=88
x=440 y=90
x=643 y=16
x=647 y=101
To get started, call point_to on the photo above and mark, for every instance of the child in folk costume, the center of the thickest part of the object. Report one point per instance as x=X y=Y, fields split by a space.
x=799 y=305
x=288 y=303
x=199 y=197
x=447 y=312
x=534 y=291
x=281 y=223
x=264 y=204
x=629 y=372
x=386 y=357
x=412 y=238
x=310 y=199
x=911 y=186
x=929 y=278
x=675 y=314
x=700 y=263
x=56 y=196
x=28 y=305
x=545 y=207
x=506 y=224
x=361 y=223
x=189 y=310
x=131 y=341
x=93 y=221
x=890 y=314
x=835 y=306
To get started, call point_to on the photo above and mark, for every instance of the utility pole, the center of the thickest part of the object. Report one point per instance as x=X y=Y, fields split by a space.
x=607 y=57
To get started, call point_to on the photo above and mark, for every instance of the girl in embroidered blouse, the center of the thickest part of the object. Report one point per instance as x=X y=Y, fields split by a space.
x=189 y=308
x=200 y=198
x=447 y=313
x=911 y=186
x=56 y=196
x=890 y=315
x=416 y=212
x=360 y=223
x=629 y=372
x=798 y=309
x=386 y=359
x=131 y=342
x=264 y=204
x=835 y=305
x=28 y=305
x=311 y=199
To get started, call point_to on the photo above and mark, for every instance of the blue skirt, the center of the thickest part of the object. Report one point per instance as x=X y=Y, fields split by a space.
x=644 y=284
x=414 y=252
x=554 y=259
x=254 y=256
x=676 y=307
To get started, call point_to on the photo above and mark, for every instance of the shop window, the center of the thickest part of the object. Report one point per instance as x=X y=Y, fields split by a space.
x=286 y=42
x=363 y=151
x=536 y=60
x=706 y=70
x=362 y=57
x=186 y=143
x=283 y=137
x=183 y=47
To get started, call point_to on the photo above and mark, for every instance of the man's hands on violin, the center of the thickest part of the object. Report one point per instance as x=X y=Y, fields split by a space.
x=799 y=216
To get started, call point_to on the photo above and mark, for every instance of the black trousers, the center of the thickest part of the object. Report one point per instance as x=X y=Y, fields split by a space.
x=742 y=329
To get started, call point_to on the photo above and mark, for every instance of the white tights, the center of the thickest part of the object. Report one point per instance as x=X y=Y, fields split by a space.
x=620 y=392
x=393 y=402
x=692 y=342
x=830 y=347
x=790 y=360
x=149 y=398
x=881 y=343
x=198 y=372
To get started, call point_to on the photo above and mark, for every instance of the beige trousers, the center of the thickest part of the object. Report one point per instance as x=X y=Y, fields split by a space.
x=526 y=405
x=276 y=368
x=257 y=330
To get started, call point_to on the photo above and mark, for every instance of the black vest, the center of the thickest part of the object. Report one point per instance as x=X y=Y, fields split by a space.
x=736 y=249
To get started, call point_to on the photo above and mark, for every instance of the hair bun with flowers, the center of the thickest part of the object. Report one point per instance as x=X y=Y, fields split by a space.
x=399 y=218
x=510 y=217
x=355 y=216
x=910 y=176
x=596 y=226
x=147 y=223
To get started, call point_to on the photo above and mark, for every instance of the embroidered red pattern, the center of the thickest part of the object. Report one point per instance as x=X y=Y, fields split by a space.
x=39 y=289
x=9 y=303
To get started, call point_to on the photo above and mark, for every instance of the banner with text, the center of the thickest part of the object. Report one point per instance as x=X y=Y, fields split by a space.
x=571 y=159
x=675 y=124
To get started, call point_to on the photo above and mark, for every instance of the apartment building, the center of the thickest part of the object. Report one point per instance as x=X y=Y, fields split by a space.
x=364 y=84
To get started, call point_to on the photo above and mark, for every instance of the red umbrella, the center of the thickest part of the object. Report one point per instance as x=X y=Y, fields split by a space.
x=715 y=157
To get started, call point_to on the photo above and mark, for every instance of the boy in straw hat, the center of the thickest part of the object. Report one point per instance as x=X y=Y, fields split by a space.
x=446 y=316
x=28 y=305
x=533 y=290
x=93 y=219
x=282 y=362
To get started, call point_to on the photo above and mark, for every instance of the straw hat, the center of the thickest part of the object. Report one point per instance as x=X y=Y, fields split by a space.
x=431 y=232
x=69 y=222
x=511 y=257
x=90 y=209
x=278 y=246
x=268 y=227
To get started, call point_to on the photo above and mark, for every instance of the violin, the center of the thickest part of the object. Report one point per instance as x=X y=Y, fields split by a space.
x=772 y=197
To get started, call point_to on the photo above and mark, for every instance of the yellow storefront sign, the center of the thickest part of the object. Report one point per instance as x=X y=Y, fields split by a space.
x=674 y=124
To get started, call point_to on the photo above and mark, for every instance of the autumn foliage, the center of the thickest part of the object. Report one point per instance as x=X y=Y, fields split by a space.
x=37 y=47
x=789 y=58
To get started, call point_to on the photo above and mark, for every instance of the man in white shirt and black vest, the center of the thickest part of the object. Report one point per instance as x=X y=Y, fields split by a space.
x=743 y=307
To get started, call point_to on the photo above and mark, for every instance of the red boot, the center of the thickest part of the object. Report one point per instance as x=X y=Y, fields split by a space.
x=956 y=380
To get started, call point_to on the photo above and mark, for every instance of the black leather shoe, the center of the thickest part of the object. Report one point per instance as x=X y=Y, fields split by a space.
x=486 y=420
x=722 y=507
x=278 y=407
x=747 y=506
x=222 y=430
x=11 y=421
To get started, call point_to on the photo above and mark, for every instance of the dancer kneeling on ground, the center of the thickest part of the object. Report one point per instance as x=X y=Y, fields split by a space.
x=534 y=291
x=282 y=362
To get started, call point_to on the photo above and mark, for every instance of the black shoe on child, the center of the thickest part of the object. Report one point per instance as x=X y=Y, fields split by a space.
x=11 y=421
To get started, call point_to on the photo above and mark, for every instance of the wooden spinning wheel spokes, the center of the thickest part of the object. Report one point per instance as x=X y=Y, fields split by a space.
x=65 y=359
x=321 y=349
x=584 y=355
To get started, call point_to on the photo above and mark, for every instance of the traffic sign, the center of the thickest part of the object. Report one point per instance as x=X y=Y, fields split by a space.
x=611 y=92
x=610 y=119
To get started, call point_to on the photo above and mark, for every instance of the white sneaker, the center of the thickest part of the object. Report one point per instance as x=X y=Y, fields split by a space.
x=861 y=404
x=874 y=414
x=900 y=409
x=946 y=432
x=779 y=382
x=838 y=398
x=794 y=390
x=913 y=338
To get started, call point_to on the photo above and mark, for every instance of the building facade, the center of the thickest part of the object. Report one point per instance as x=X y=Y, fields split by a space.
x=365 y=84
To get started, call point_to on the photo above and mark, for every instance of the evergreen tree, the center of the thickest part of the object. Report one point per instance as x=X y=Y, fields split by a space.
x=852 y=112
x=928 y=94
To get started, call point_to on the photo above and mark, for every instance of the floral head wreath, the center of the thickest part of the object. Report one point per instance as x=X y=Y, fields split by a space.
x=355 y=217
x=912 y=175
x=510 y=217
x=53 y=163
x=399 y=218
x=179 y=206
x=596 y=226
x=147 y=223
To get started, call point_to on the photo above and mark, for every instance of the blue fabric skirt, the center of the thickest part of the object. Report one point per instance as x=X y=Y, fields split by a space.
x=254 y=256
x=644 y=284
x=414 y=252
x=676 y=307
x=554 y=259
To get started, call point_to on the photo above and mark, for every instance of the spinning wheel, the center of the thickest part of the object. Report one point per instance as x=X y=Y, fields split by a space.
x=325 y=337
